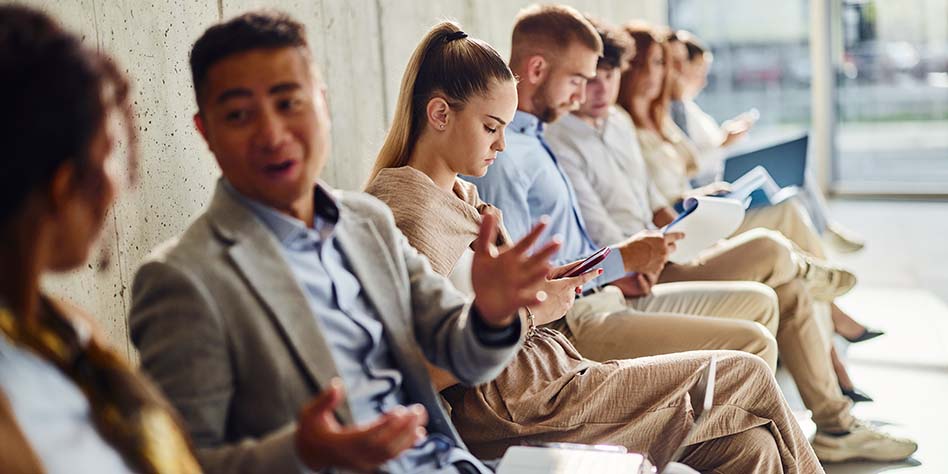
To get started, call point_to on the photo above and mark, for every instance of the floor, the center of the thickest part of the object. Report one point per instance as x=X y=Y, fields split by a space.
x=903 y=289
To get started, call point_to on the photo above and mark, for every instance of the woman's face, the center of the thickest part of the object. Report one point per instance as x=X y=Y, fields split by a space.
x=694 y=75
x=653 y=75
x=475 y=133
x=79 y=216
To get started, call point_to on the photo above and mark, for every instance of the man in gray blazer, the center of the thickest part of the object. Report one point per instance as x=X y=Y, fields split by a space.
x=284 y=291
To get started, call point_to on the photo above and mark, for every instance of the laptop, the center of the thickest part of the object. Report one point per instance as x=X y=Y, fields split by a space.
x=785 y=162
x=565 y=458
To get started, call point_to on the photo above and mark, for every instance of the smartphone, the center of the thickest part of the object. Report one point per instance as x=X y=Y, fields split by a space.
x=588 y=264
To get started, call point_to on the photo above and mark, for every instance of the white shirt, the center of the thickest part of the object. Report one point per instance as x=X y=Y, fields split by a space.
x=609 y=175
x=707 y=136
x=53 y=415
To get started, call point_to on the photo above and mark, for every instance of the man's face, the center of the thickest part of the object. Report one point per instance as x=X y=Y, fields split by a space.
x=601 y=93
x=264 y=116
x=564 y=87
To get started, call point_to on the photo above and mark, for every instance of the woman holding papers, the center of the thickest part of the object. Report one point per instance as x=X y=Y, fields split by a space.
x=457 y=94
x=670 y=160
x=692 y=59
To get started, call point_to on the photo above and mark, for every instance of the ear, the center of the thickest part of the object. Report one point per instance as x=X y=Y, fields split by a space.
x=537 y=69
x=437 y=112
x=199 y=125
x=61 y=187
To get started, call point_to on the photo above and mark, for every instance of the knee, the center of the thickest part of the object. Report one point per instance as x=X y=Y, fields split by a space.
x=760 y=356
x=759 y=448
x=763 y=302
x=767 y=243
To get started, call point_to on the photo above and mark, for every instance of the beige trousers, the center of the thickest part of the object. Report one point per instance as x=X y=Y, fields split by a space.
x=607 y=326
x=633 y=403
x=768 y=257
x=790 y=219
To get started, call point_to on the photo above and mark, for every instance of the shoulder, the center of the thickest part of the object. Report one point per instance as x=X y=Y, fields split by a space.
x=363 y=205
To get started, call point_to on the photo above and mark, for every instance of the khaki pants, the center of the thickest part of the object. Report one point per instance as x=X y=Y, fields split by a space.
x=607 y=326
x=790 y=219
x=635 y=403
x=768 y=257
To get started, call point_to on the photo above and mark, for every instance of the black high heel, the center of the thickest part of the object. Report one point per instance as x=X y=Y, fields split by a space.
x=856 y=395
x=865 y=336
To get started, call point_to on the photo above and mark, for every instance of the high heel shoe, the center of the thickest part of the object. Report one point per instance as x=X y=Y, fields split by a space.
x=856 y=395
x=865 y=336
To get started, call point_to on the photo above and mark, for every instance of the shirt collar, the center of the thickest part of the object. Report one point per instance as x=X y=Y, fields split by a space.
x=292 y=232
x=526 y=123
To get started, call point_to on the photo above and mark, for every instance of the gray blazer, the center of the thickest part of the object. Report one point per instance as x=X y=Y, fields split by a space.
x=224 y=329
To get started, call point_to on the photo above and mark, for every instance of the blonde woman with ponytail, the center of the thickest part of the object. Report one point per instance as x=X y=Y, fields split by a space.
x=457 y=96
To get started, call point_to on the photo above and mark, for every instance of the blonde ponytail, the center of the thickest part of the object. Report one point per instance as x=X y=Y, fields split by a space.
x=446 y=62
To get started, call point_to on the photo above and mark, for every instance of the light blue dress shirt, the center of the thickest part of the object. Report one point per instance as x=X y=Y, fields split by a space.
x=54 y=415
x=526 y=183
x=353 y=330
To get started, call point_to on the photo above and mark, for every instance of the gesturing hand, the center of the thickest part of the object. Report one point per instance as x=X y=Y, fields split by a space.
x=322 y=442
x=506 y=280
x=648 y=251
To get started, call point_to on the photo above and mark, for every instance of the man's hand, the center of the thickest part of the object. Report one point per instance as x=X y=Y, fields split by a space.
x=648 y=251
x=561 y=293
x=506 y=280
x=636 y=285
x=322 y=442
x=663 y=216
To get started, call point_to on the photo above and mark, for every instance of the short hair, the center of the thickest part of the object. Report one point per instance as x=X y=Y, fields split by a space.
x=267 y=29
x=617 y=47
x=552 y=28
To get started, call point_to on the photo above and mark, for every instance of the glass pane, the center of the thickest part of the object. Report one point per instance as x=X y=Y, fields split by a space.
x=893 y=96
x=761 y=60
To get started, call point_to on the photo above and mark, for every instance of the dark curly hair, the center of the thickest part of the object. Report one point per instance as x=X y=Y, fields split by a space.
x=56 y=94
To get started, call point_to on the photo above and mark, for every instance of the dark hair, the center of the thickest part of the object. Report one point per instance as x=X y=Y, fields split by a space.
x=56 y=94
x=268 y=29
x=696 y=48
x=446 y=63
x=617 y=48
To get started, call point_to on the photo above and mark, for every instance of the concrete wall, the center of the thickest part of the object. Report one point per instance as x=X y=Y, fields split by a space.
x=362 y=47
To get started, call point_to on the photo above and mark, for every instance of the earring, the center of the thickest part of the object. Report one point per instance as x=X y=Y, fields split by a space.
x=442 y=126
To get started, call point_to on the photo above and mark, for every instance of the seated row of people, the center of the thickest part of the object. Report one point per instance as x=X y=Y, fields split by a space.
x=690 y=60
x=296 y=328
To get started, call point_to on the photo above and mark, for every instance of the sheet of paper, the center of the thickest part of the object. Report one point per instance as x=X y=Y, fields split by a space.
x=705 y=221
x=539 y=460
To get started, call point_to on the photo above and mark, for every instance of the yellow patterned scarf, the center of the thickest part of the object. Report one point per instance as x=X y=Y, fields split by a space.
x=127 y=410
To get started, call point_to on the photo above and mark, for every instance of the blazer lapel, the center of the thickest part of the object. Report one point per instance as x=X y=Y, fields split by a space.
x=257 y=256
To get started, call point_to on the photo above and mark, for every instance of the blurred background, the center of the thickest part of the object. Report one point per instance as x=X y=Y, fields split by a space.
x=889 y=61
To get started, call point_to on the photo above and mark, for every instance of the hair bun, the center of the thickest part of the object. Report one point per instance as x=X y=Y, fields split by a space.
x=455 y=36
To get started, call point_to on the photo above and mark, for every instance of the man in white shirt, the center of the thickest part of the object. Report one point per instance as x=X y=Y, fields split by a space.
x=598 y=151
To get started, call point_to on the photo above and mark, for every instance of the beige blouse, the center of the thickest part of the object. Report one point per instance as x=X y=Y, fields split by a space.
x=672 y=163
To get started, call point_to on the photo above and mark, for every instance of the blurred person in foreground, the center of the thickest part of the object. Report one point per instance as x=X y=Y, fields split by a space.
x=68 y=403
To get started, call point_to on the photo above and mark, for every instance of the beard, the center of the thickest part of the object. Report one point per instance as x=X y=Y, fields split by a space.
x=548 y=111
